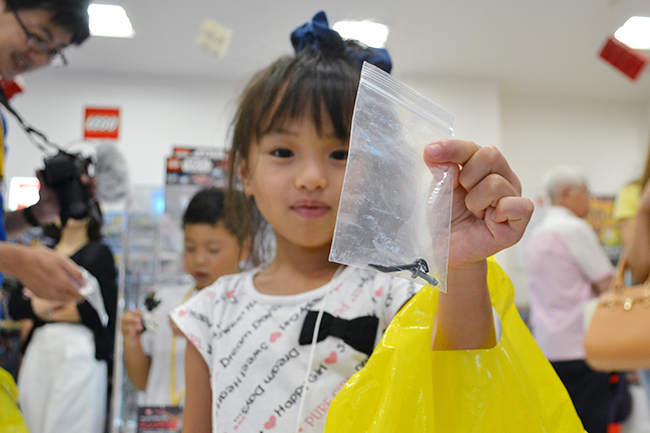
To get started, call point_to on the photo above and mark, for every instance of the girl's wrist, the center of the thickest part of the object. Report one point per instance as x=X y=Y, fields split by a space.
x=466 y=269
x=461 y=279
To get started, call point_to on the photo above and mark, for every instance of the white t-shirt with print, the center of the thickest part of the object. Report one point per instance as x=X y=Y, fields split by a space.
x=250 y=343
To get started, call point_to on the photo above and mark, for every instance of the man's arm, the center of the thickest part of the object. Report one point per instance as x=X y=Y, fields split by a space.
x=17 y=222
x=602 y=285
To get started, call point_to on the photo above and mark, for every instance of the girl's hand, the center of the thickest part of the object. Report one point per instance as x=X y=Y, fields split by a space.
x=488 y=212
x=43 y=308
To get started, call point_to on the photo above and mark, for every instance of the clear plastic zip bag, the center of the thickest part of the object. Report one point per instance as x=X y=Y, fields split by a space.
x=395 y=213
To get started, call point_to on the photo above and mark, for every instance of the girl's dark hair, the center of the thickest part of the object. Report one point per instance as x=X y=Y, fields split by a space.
x=213 y=206
x=72 y=15
x=309 y=82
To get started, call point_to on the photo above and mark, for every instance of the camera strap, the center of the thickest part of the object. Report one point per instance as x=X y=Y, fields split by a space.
x=31 y=132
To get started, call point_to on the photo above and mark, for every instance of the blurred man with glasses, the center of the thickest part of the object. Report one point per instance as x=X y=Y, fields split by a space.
x=33 y=34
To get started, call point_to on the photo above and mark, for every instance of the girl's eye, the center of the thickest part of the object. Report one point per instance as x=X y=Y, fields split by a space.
x=282 y=153
x=340 y=155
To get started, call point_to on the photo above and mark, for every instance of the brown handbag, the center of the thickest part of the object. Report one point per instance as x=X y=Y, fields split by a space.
x=618 y=337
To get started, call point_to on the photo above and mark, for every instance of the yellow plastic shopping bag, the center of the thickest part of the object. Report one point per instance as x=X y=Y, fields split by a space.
x=407 y=387
x=11 y=420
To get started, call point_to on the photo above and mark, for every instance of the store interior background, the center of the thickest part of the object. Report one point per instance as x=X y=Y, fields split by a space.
x=523 y=76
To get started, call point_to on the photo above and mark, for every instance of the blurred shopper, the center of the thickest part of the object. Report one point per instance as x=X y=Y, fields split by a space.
x=566 y=267
x=63 y=378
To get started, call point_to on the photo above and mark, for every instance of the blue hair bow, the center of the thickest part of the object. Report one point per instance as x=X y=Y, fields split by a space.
x=317 y=35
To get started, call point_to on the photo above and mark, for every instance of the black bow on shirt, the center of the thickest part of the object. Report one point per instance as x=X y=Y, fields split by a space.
x=359 y=333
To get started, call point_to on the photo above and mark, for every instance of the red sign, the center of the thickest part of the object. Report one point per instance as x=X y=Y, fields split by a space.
x=102 y=123
x=625 y=59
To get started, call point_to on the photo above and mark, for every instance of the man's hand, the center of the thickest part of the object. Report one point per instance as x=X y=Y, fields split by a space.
x=47 y=273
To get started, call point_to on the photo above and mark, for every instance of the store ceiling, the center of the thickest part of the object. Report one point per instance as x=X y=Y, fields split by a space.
x=548 y=47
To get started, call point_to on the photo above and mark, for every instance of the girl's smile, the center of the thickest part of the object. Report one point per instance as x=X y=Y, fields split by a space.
x=310 y=208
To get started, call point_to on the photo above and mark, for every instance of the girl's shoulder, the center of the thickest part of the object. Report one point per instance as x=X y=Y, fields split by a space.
x=226 y=287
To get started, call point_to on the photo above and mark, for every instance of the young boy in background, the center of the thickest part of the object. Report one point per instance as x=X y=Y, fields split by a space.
x=214 y=245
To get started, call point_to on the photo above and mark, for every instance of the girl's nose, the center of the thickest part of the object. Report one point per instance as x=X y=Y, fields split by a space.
x=312 y=176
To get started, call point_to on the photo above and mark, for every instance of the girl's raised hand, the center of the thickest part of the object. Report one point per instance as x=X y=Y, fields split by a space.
x=488 y=212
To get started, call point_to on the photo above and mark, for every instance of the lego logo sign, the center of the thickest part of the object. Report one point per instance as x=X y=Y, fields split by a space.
x=102 y=123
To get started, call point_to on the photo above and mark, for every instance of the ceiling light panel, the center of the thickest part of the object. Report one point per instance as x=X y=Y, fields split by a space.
x=635 y=33
x=109 y=21
x=367 y=32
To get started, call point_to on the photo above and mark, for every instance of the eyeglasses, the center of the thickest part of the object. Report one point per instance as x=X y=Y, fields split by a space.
x=39 y=45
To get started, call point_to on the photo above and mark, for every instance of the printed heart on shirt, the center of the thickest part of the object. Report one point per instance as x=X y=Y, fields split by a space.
x=275 y=336
x=230 y=293
x=181 y=313
x=270 y=423
x=379 y=291
x=331 y=359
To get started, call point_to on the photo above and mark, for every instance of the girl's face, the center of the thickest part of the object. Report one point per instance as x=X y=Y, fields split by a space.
x=296 y=176
x=210 y=252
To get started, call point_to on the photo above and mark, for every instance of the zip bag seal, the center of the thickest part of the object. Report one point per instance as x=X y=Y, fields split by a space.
x=394 y=215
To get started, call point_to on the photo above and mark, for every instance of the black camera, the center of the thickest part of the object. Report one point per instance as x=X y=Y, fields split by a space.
x=61 y=173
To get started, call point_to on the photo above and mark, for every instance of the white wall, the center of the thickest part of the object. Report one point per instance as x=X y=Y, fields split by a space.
x=157 y=113
x=608 y=138
x=474 y=102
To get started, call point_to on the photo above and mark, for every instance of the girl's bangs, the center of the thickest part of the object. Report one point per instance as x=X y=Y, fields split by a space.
x=310 y=91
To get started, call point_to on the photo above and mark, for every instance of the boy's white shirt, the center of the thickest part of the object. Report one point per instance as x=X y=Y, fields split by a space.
x=157 y=345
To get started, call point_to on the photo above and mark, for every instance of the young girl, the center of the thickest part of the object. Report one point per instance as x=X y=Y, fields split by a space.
x=251 y=365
